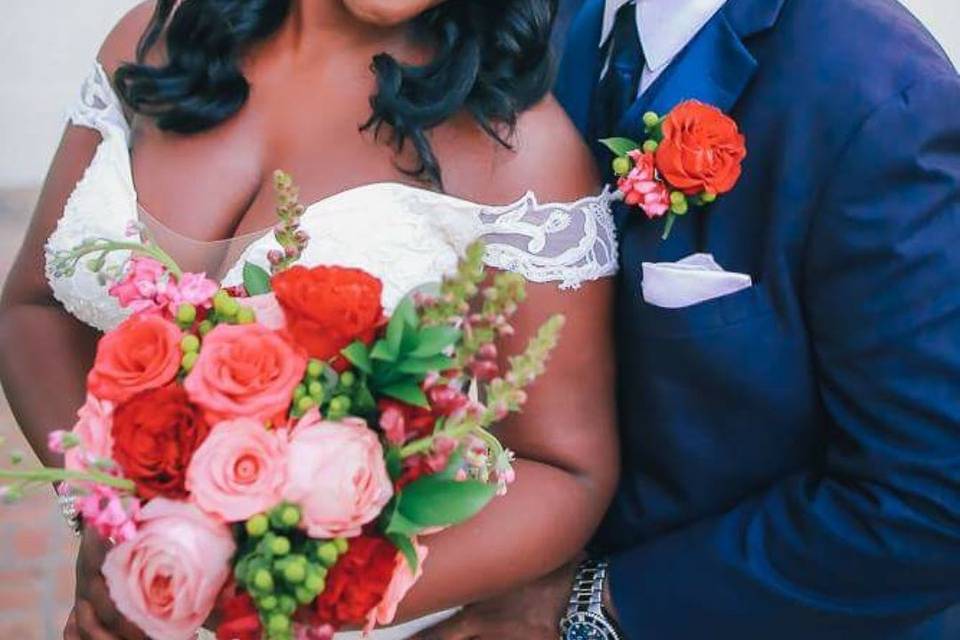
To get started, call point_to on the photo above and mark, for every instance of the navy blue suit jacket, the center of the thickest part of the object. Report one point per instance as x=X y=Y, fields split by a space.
x=792 y=452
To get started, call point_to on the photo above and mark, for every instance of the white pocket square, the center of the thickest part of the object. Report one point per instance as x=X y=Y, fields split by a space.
x=695 y=279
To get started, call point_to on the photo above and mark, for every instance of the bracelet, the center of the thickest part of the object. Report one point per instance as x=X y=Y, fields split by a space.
x=67 y=501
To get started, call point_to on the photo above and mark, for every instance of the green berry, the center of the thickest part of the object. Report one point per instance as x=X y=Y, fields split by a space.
x=205 y=327
x=299 y=391
x=305 y=403
x=263 y=580
x=315 y=389
x=189 y=360
x=280 y=546
x=290 y=516
x=286 y=604
x=677 y=197
x=268 y=603
x=258 y=525
x=186 y=313
x=246 y=315
x=304 y=595
x=295 y=572
x=278 y=623
x=708 y=197
x=315 y=583
x=190 y=343
x=340 y=405
x=679 y=208
x=342 y=545
x=650 y=119
x=348 y=379
x=622 y=166
x=328 y=554
x=315 y=368
x=650 y=146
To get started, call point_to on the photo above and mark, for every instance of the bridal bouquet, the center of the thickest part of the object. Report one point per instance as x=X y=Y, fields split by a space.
x=281 y=448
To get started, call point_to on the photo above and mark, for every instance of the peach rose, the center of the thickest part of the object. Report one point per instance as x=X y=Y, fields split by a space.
x=239 y=470
x=142 y=353
x=268 y=311
x=93 y=430
x=702 y=150
x=337 y=475
x=400 y=584
x=167 y=577
x=245 y=371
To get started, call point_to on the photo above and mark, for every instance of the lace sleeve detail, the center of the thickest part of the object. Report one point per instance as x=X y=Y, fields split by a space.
x=98 y=106
x=566 y=243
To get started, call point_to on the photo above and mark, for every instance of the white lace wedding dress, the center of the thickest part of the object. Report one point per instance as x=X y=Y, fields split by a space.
x=404 y=235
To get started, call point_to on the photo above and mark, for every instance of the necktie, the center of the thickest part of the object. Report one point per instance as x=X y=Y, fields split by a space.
x=618 y=88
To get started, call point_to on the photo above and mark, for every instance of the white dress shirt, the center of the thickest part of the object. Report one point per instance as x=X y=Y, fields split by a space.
x=665 y=28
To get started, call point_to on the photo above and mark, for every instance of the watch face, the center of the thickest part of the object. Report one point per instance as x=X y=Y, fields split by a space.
x=584 y=626
x=585 y=631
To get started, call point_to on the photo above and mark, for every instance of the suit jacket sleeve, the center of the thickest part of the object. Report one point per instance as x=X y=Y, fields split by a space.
x=867 y=543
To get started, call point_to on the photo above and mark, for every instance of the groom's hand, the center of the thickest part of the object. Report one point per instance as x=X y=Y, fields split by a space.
x=532 y=612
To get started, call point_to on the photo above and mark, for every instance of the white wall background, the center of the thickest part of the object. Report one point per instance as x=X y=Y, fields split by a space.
x=47 y=47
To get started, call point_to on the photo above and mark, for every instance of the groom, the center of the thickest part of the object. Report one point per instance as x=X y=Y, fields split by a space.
x=791 y=451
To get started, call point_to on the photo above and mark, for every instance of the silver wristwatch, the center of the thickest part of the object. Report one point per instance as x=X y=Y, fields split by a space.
x=67 y=501
x=586 y=618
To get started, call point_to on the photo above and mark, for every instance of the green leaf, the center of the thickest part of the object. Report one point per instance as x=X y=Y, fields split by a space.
x=437 y=502
x=620 y=146
x=405 y=545
x=419 y=366
x=358 y=355
x=407 y=391
x=407 y=311
x=363 y=401
x=381 y=351
x=256 y=280
x=433 y=340
x=394 y=463
x=398 y=524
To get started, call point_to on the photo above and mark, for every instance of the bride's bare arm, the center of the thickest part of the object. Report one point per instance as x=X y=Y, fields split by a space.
x=566 y=437
x=45 y=352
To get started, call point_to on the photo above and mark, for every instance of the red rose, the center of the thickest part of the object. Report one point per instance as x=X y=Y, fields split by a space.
x=702 y=150
x=357 y=583
x=154 y=436
x=327 y=308
x=239 y=617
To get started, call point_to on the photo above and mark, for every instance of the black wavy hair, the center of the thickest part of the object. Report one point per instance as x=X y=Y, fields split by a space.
x=491 y=58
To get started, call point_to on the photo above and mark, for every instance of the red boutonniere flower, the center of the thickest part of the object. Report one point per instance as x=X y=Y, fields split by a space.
x=689 y=157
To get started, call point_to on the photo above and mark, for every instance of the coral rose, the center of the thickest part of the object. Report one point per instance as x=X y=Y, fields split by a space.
x=337 y=475
x=94 y=432
x=166 y=579
x=246 y=371
x=239 y=471
x=327 y=308
x=400 y=584
x=702 y=150
x=356 y=585
x=155 y=435
x=142 y=353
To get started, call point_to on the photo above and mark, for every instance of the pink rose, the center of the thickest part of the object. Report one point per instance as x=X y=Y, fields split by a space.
x=239 y=470
x=93 y=430
x=400 y=584
x=268 y=311
x=167 y=578
x=641 y=187
x=337 y=475
x=246 y=371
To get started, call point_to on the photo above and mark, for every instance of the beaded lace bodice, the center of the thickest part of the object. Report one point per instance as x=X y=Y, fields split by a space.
x=404 y=235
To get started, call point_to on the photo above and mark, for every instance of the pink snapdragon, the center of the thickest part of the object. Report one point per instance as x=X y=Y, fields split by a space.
x=642 y=188
x=112 y=516
x=147 y=287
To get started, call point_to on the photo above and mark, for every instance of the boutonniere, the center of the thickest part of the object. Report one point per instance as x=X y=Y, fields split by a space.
x=687 y=159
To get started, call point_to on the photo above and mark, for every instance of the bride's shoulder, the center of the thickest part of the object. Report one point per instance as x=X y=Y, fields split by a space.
x=546 y=155
x=120 y=45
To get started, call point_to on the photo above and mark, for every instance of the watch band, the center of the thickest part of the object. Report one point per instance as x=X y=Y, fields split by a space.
x=586 y=603
x=67 y=501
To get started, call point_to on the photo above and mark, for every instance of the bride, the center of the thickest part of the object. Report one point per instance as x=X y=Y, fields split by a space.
x=459 y=141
